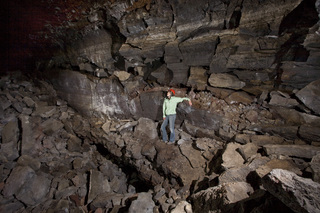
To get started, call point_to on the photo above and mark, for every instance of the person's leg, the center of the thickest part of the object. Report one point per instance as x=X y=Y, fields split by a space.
x=172 y=119
x=163 y=129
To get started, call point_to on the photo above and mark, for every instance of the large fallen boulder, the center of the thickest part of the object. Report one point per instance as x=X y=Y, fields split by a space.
x=302 y=151
x=300 y=194
x=310 y=96
x=219 y=197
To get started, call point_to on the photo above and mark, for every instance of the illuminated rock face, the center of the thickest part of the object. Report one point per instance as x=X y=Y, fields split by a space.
x=251 y=70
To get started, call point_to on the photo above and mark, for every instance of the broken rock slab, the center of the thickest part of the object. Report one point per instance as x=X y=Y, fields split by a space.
x=302 y=151
x=315 y=167
x=146 y=129
x=225 y=80
x=277 y=164
x=310 y=96
x=216 y=198
x=143 y=203
x=302 y=195
x=231 y=158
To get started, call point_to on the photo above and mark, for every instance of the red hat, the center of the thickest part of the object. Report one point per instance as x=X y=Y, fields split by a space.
x=172 y=91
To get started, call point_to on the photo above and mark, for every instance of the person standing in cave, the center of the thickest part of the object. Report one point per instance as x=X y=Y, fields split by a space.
x=169 y=114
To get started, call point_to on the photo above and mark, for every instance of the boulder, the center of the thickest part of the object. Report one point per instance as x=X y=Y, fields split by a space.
x=231 y=158
x=26 y=160
x=98 y=185
x=248 y=150
x=198 y=78
x=34 y=190
x=163 y=75
x=95 y=46
x=51 y=126
x=10 y=132
x=19 y=176
x=301 y=151
x=277 y=164
x=225 y=80
x=174 y=164
x=298 y=193
x=122 y=75
x=143 y=203
x=279 y=99
x=239 y=97
x=182 y=206
x=194 y=156
x=294 y=75
x=44 y=111
x=146 y=129
x=198 y=50
x=218 y=197
x=309 y=133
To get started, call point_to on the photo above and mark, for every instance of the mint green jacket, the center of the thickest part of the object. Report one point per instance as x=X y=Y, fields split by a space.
x=170 y=105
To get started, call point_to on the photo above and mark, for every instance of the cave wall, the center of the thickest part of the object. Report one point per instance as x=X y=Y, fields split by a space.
x=128 y=53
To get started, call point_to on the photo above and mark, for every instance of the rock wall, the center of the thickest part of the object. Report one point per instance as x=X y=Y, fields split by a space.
x=44 y=142
x=261 y=44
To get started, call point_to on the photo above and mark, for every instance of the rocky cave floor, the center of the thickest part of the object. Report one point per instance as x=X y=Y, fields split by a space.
x=55 y=160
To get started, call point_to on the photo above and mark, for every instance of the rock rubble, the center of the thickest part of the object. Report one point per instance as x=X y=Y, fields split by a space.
x=55 y=159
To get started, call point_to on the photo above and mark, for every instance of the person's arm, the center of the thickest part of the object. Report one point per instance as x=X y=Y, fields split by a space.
x=186 y=99
x=164 y=110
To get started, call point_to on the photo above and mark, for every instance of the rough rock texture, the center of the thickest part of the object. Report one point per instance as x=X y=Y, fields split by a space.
x=251 y=69
x=300 y=194
x=70 y=154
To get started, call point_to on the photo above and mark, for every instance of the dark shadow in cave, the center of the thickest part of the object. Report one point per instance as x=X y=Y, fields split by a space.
x=296 y=23
x=131 y=173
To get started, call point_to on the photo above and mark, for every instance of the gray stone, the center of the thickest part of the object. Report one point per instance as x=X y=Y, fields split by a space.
x=298 y=193
x=29 y=101
x=65 y=192
x=198 y=51
x=198 y=78
x=95 y=46
x=44 y=111
x=294 y=75
x=146 y=129
x=182 y=206
x=26 y=160
x=12 y=207
x=74 y=144
x=10 y=132
x=225 y=80
x=28 y=132
x=97 y=185
x=248 y=150
x=35 y=190
x=51 y=126
x=10 y=150
x=309 y=133
x=231 y=158
x=105 y=200
x=302 y=151
x=215 y=198
x=237 y=174
x=239 y=97
x=315 y=167
x=194 y=156
x=18 y=106
x=122 y=75
x=263 y=170
x=277 y=99
x=19 y=176
x=163 y=75
x=143 y=203
x=285 y=131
